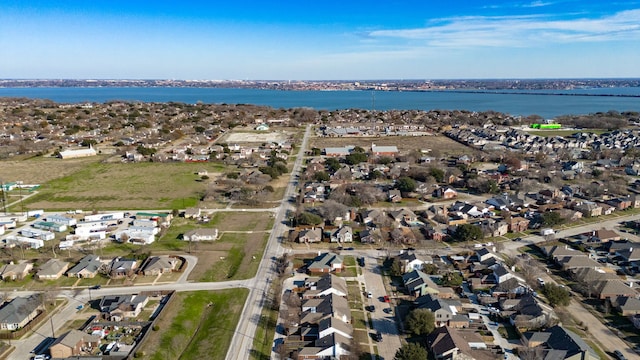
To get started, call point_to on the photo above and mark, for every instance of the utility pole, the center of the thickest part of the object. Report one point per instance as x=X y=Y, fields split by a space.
x=4 y=196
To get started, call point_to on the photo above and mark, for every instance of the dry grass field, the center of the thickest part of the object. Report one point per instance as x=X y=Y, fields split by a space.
x=104 y=186
x=439 y=143
x=40 y=170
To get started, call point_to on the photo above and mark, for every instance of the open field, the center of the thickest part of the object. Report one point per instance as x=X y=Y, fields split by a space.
x=442 y=144
x=123 y=186
x=40 y=170
x=191 y=322
x=255 y=137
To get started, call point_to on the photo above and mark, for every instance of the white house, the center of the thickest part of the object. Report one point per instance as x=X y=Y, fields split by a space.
x=342 y=235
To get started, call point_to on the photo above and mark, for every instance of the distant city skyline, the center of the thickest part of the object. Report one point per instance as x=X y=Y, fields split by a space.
x=297 y=40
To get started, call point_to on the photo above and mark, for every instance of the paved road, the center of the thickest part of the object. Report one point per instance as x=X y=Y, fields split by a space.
x=384 y=322
x=242 y=342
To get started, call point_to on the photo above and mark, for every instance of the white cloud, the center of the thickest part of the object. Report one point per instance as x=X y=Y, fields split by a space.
x=518 y=30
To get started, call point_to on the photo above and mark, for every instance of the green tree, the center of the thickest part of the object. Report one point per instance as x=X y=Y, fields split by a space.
x=376 y=174
x=316 y=151
x=356 y=158
x=385 y=160
x=467 y=232
x=452 y=279
x=333 y=164
x=551 y=218
x=359 y=149
x=437 y=174
x=321 y=176
x=406 y=184
x=557 y=296
x=411 y=351
x=420 y=322
x=396 y=267
x=307 y=218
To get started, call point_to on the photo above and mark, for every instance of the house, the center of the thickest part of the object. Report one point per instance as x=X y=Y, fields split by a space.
x=533 y=339
x=384 y=150
x=419 y=284
x=332 y=304
x=342 y=235
x=442 y=309
x=446 y=343
x=604 y=235
x=324 y=286
x=330 y=325
x=313 y=235
x=483 y=254
x=627 y=306
x=205 y=234
x=611 y=289
x=120 y=267
x=371 y=217
x=156 y=265
x=404 y=215
x=619 y=203
x=394 y=196
x=122 y=307
x=77 y=153
x=74 y=343
x=192 y=213
x=87 y=267
x=13 y=271
x=568 y=345
x=18 y=312
x=501 y=273
x=630 y=254
x=574 y=262
x=410 y=262
x=509 y=288
x=517 y=224
x=529 y=313
x=588 y=209
x=326 y=263
x=52 y=269
x=445 y=193
x=333 y=346
x=370 y=236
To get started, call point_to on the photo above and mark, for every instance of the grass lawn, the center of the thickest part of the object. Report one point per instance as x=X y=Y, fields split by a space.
x=349 y=260
x=359 y=320
x=107 y=186
x=265 y=332
x=348 y=272
x=191 y=321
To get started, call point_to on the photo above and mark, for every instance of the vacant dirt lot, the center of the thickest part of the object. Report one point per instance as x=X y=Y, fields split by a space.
x=439 y=143
x=255 y=137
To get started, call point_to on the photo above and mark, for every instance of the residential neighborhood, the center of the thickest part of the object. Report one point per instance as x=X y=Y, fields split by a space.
x=353 y=234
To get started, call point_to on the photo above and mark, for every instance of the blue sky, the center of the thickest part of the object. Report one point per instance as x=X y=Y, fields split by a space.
x=316 y=40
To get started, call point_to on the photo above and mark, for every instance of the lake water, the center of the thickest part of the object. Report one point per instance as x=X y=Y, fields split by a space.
x=542 y=103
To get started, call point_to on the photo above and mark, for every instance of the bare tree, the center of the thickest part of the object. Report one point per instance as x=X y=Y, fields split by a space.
x=533 y=353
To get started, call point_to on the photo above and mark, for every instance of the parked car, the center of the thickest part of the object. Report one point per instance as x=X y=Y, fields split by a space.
x=378 y=336
x=618 y=354
x=370 y=308
x=386 y=298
